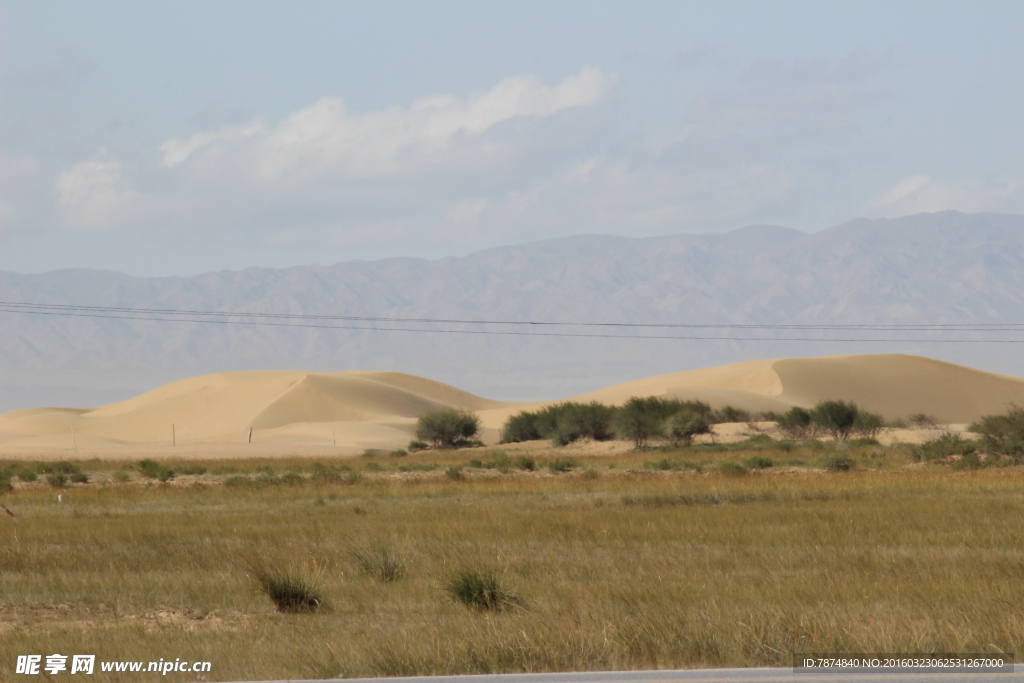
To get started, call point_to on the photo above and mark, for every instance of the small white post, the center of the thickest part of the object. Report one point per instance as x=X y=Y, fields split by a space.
x=74 y=439
x=250 y=435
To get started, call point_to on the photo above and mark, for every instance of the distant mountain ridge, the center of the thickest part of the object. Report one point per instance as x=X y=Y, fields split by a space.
x=929 y=268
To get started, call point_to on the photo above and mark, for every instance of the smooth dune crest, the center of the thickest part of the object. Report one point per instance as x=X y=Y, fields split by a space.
x=355 y=410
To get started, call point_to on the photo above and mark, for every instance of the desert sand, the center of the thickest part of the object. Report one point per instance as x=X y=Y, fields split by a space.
x=317 y=413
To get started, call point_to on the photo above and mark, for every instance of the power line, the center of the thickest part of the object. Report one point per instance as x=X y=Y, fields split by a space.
x=272 y=320
x=10 y=307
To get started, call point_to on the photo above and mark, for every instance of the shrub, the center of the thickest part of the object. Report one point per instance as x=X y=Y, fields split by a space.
x=732 y=469
x=561 y=465
x=922 y=420
x=193 y=470
x=968 y=461
x=946 y=445
x=455 y=473
x=685 y=424
x=837 y=462
x=79 y=478
x=758 y=462
x=400 y=453
x=797 y=423
x=642 y=419
x=381 y=561
x=27 y=474
x=525 y=462
x=443 y=428
x=835 y=417
x=868 y=424
x=5 y=482
x=57 y=479
x=291 y=591
x=1002 y=434
x=154 y=470
x=415 y=445
x=520 y=427
x=121 y=476
x=481 y=590
x=475 y=462
x=731 y=414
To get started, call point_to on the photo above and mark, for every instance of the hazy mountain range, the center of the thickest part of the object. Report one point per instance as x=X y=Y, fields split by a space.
x=929 y=268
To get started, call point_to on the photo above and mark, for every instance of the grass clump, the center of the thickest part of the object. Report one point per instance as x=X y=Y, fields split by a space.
x=454 y=472
x=27 y=474
x=837 y=462
x=525 y=462
x=758 y=462
x=732 y=469
x=482 y=590
x=561 y=465
x=381 y=561
x=293 y=591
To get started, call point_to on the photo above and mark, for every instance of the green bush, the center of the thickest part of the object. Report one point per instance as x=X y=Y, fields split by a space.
x=79 y=478
x=731 y=414
x=454 y=473
x=685 y=424
x=57 y=479
x=525 y=462
x=520 y=427
x=944 y=446
x=1002 y=434
x=968 y=461
x=27 y=474
x=641 y=419
x=797 y=423
x=154 y=470
x=922 y=420
x=445 y=428
x=732 y=469
x=416 y=445
x=481 y=590
x=837 y=462
x=400 y=453
x=868 y=424
x=758 y=462
x=561 y=465
x=835 y=417
x=121 y=476
x=5 y=482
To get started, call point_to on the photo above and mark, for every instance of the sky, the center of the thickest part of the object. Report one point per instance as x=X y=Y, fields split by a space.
x=173 y=138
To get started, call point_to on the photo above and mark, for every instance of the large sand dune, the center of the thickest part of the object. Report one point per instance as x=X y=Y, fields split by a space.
x=350 y=411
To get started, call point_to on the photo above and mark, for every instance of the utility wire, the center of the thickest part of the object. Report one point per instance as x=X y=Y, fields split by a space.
x=18 y=306
x=268 y=319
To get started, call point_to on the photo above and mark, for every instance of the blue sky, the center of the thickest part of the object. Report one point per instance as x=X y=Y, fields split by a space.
x=178 y=137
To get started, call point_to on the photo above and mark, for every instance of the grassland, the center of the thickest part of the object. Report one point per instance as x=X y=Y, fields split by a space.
x=635 y=560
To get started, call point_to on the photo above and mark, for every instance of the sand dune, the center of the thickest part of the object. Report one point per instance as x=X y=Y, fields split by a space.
x=352 y=411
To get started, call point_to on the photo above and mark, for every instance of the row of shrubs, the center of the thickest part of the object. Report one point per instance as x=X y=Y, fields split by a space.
x=57 y=474
x=644 y=419
x=1000 y=436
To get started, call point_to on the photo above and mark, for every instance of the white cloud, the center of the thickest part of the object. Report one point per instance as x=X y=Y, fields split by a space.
x=922 y=193
x=92 y=195
x=441 y=133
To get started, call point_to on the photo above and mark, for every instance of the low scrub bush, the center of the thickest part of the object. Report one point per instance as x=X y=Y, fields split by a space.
x=837 y=462
x=922 y=420
x=5 y=482
x=27 y=474
x=446 y=428
x=796 y=422
x=561 y=465
x=732 y=469
x=454 y=473
x=151 y=469
x=758 y=462
x=57 y=479
x=416 y=445
x=968 y=461
x=868 y=425
x=482 y=590
x=1002 y=434
x=562 y=423
x=400 y=453
x=525 y=462
x=944 y=446
x=685 y=424
x=837 y=418
x=731 y=414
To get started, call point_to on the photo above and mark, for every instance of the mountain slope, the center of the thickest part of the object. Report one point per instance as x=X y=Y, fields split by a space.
x=930 y=268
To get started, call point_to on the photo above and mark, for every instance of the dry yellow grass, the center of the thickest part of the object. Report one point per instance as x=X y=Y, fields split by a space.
x=616 y=568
